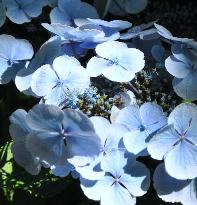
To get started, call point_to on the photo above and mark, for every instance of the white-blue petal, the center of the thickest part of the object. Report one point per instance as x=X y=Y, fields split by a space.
x=181 y=161
x=43 y=80
x=162 y=142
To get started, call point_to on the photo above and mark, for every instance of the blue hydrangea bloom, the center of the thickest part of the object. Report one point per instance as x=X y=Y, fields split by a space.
x=53 y=81
x=20 y=11
x=118 y=64
x=111 y=30
x=75 y=41
x=110 y=136
x=61 y=135
x=142 y=122
x=173 y=190
x=122 y=7
x=12 y=51
x=177 y=143
x=182 y=65
x=45 y=55
x=68 y=10
x=19 y=131
x=79 y=34
x=124 y=180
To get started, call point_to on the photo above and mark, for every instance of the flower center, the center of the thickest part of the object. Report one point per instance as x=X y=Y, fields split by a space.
x=112 y=62
x=141 y=128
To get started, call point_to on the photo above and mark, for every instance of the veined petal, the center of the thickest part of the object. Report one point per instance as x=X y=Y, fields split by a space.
x=43 y=80
x=45 y=118
x=130 y=116
x=186 y=87
x=183 y=117
x=135 y=141
x=176 y=68
x=132 y=59
x=24 y=158
x=47 y=146
x=94 y=189
x=181 y=161
x=114 y=162
x=117 y=195
x=95 y=66
x=162 y=142
x=101 y=126
x=118 y=74
x=110 y=50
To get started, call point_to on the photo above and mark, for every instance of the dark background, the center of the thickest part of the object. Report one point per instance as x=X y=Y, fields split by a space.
x=179 y=16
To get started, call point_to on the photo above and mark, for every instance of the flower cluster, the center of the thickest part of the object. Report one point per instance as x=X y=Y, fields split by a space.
x=62 y=134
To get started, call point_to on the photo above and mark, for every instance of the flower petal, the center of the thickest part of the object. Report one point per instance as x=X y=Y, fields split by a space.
x=181 y=161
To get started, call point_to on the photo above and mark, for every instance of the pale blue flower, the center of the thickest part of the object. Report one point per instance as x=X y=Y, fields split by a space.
x=183 y=66
x=61 y=135
x=20 y=11
x=142 y=122
x=12 y=51
x=176 y=143
x=45 y=55
x=124 y=180
x=116 y=61
x=53 y=81
x=110 y=136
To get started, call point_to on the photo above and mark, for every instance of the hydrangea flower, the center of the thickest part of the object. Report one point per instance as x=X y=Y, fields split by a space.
x=68 y=10
x=61 y=135
x=75 y=41
x=68 y=33
x=12 y=51
x=124 y=180
x=173 y=190
x=110 y=28
x=177 y=143
x=116 y=61
x=110 y=136
x=183 y=66
x=141 y=122
x=53 y=82
x=19 y=131
x=20 y=11
x=45 y=55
